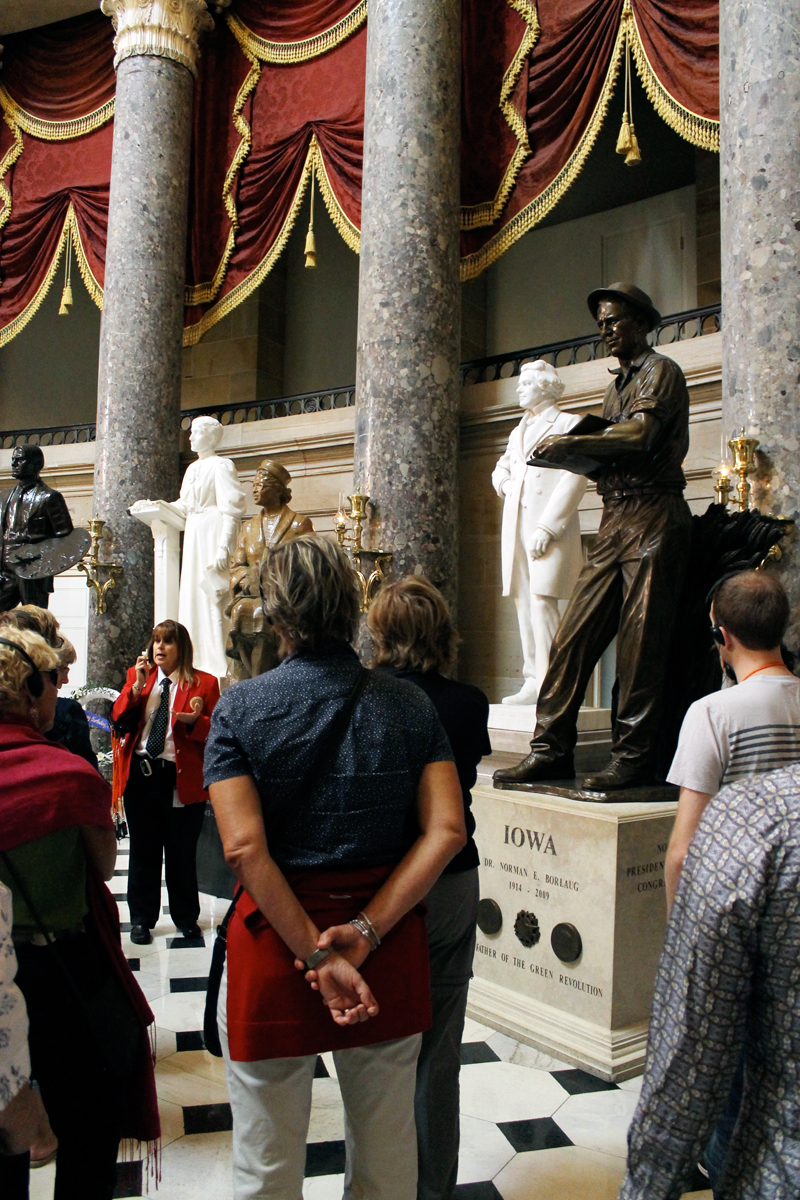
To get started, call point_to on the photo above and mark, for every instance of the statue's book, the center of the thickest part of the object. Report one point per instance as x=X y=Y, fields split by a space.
x=578 y=464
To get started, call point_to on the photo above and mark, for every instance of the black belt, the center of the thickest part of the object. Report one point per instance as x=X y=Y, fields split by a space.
x=148 y=766
x=39 y=939
x=638 y=493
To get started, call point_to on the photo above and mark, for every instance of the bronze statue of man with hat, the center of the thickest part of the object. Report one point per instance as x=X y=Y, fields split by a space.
x=631 y=583
x=251 y=646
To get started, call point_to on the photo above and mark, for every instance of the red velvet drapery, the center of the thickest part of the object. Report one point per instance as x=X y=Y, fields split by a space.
x=280 y=95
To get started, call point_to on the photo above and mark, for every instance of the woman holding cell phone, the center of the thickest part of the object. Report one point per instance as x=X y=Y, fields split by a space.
x=164 y=711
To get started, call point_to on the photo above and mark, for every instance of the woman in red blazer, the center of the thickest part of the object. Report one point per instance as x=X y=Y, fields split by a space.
x=165 y=710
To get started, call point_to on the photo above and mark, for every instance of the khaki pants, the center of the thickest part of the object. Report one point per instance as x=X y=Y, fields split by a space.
x=271 y=1106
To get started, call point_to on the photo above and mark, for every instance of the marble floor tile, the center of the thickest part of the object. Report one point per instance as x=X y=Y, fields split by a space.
x=504 y=1092
x=182 y=1010
x=632 y=1085
x=202 y=1064
x=188 y=961
x=598 y=1120
x=187 y=1087
x=523 y=1056
x=166 y=1043
x=484 y=1150
x=323 y=1187
x=570 y=1173
x=327 y=1112
x=475 y=1032
x=196 y=1168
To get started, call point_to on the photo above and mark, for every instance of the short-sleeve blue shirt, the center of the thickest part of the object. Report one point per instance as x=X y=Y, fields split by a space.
x=362 y=811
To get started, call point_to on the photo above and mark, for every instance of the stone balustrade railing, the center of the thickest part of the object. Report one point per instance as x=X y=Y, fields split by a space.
x=677 y=327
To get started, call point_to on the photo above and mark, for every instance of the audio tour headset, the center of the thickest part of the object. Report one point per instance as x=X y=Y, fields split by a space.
x=34 y=682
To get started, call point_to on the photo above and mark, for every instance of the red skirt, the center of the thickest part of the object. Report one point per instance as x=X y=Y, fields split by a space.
x=272 y=1011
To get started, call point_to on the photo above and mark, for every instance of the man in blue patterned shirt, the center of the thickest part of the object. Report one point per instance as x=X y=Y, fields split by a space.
x=729 y=978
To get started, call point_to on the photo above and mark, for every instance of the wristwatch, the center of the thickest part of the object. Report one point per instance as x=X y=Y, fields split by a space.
x=316 y=958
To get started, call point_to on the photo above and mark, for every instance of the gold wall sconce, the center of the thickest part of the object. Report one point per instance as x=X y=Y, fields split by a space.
x=744 y=464
x=350 y=539
x=92 y=567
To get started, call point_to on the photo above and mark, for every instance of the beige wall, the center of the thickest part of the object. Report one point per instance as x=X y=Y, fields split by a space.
x=536 y=293
x=318 y=450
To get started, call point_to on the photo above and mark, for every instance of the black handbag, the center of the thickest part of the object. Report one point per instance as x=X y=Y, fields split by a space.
x=110 y=1017
x=330 y=743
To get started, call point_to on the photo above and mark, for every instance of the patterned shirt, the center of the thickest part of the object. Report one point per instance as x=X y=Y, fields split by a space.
x=362 y=811
x=729 y=977
x=15 y=1063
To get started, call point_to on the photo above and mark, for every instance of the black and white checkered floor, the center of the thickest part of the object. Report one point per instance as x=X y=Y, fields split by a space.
x=532 y=1128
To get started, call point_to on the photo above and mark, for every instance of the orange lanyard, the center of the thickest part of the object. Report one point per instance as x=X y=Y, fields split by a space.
x=769 y=664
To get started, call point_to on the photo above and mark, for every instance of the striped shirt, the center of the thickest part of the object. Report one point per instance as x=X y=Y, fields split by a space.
x=739 y=732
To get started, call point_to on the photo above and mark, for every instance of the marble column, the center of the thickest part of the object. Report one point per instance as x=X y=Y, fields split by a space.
x=407 y=381
x=760 y=214
x=139 y=384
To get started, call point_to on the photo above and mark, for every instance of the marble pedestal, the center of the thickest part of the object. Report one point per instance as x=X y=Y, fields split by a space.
x=165 y=525
x=595 y=870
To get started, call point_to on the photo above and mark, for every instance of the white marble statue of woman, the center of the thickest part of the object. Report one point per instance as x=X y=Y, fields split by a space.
x=212 y=504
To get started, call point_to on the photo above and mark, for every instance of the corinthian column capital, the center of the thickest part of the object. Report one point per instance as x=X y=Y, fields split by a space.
x=165 y=28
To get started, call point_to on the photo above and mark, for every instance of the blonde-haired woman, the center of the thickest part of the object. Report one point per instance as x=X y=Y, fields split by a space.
x=164 y=710
x=70 y=726
x=57 y=845
x=415 y=639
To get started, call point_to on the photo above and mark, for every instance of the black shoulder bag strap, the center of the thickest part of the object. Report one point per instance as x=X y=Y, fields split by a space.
x=330 y=743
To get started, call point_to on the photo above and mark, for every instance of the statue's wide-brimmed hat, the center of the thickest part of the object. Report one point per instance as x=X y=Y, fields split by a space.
x=275 y=468
x=628 y=292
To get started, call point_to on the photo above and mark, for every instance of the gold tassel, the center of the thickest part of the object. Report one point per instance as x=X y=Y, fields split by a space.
x=66 y=295
x=311 y=245
x=627 y=142
x=633 y=157
x=624 y=139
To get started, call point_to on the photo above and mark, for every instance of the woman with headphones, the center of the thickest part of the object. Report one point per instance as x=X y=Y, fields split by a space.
x=89 y=1048
x=165 y=711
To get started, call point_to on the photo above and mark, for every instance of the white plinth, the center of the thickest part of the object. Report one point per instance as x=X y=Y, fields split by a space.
x=165 y=525
x=511 y=726
x=600 y=868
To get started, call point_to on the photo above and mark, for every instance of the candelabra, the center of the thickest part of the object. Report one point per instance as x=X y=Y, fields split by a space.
x=722 y=484
x=91 y=566
x=744 y=464
x=351 y=539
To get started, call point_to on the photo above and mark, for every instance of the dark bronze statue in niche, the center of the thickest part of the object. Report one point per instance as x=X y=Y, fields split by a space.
x=631 y=583
x=39 y=539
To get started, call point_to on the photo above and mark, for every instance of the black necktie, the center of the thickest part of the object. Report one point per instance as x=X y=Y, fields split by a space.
x=158 y=730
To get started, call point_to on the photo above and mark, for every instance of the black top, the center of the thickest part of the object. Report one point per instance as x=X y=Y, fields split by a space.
x=71 y=728
x=464 y=712
x=362 y=811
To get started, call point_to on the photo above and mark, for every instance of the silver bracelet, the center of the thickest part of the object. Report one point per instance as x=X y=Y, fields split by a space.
x=364 y=926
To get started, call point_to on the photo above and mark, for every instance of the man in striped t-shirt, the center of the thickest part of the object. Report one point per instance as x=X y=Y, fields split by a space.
x=743 y=730
x=733 y=734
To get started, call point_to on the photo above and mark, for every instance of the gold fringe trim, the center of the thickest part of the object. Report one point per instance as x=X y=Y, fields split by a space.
x=473 y=264
x=69 y=228
x=9 y=158
x=193 y=333
x=350 y=233
x=53 y=131
x=283 y=53
x=700 y=131
x=489 y=211
x=204 y=293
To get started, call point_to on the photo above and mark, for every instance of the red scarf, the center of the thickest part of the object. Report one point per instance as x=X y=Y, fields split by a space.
x=45 y=788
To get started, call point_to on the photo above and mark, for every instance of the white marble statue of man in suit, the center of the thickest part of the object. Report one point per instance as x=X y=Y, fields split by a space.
x=541 y=540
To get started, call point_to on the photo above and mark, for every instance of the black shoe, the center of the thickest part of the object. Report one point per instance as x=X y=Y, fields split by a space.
x=140 y=935
x=191 y=931
x=617 y=775
x=538 y=767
